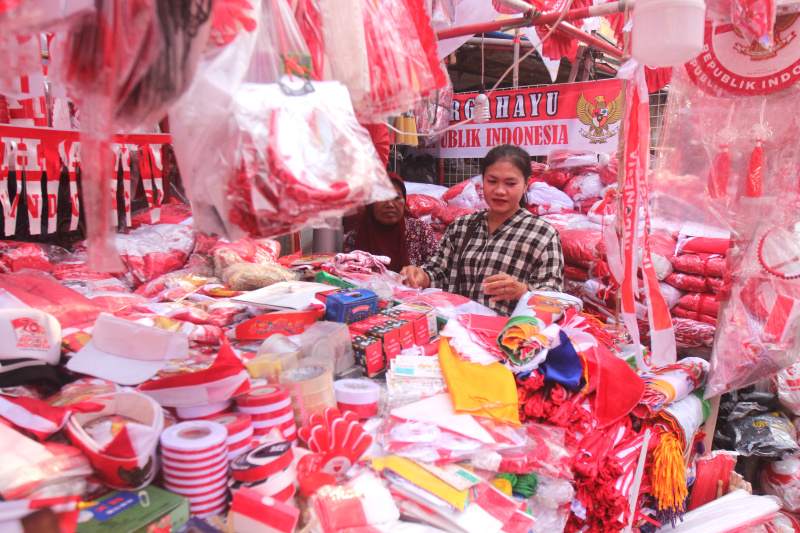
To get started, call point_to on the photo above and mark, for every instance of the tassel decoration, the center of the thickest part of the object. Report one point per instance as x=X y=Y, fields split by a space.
x=761 y=132
x=721 y=167
x=668 y=474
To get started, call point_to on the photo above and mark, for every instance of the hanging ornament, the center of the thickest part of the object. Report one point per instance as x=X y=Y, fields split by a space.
x=761 y=132
x=721 y=167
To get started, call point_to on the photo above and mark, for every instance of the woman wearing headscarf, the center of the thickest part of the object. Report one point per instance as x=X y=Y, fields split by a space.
x=387 y=230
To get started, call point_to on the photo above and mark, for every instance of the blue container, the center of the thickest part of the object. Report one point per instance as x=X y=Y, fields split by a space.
x=351 y=306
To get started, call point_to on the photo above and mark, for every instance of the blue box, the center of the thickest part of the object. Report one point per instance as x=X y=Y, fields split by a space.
x=351 y=306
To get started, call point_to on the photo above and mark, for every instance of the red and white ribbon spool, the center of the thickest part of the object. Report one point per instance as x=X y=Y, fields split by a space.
x=208 y=411
x=235 y=423
x=197 y=466
x=274 y=422
x=262 y=462
x=277 y=484
x=192 y=458
x=184 y=479
x=269 y=395
x=194 y=436
x=358 y=395
x=198 y=491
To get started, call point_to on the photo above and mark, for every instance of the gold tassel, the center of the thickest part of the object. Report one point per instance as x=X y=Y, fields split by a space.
x=668 y=474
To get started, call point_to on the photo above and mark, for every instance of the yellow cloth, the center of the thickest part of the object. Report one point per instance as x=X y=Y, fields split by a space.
x=418 y=476
x=481 y=390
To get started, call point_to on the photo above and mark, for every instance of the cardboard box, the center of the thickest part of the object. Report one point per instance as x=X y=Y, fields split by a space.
x=351 y=306
x=418 y=320
x=407 y=337
x=369 y=353
x=380 y=327
x=427 y=310
x=147 y=509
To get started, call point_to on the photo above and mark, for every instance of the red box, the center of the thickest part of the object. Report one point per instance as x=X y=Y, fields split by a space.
x=422 y=335
x=266 y=325
x=407 y=337
x=369 y=353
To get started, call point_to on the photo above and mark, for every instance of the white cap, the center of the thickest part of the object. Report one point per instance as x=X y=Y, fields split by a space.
x=126 y=352
x=29 y=334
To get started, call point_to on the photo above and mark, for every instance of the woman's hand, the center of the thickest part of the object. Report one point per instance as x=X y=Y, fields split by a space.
x=416 y=277
x=503 y=287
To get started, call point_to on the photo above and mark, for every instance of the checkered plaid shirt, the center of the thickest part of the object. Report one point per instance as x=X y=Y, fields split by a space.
x=524 y=247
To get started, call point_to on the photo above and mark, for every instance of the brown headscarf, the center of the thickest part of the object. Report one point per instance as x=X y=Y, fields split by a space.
x=380 y=239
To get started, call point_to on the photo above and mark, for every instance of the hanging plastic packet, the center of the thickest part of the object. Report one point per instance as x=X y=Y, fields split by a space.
x=755 y=19
x=313 y=161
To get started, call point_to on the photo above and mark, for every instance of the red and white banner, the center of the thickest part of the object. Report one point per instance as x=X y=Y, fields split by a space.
x=578 y=116
x=28 y=154
x=637 y=155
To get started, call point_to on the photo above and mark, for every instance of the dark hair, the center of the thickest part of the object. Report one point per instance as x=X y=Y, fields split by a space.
x=514 y=155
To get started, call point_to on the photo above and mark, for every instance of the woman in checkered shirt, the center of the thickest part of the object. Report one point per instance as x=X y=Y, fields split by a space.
x=495 y=256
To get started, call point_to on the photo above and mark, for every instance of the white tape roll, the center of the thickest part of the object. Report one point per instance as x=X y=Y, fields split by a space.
x=356 y=391
x=193 y=436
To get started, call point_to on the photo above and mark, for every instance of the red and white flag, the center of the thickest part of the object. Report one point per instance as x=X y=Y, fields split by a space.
x=634 y=194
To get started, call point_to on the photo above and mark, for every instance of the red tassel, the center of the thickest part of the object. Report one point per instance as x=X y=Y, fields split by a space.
x=753 y=189
x=720 y=171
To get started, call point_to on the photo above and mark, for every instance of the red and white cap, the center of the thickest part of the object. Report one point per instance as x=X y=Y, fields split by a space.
x=128 y=460
x=127 y=352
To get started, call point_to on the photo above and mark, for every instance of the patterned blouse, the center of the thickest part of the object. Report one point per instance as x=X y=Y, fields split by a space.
x=524 y=247
x=421 y=240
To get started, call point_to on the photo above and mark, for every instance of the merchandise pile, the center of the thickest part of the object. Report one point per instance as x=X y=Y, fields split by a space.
x=212 y=376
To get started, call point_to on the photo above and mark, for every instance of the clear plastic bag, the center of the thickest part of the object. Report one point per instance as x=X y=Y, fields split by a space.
x=757 y=328
x=755 y=19
x=433 y=112
x=304 y=159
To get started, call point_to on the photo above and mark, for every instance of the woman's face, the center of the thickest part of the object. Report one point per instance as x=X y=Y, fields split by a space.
x=390 y=213
x=503 y=187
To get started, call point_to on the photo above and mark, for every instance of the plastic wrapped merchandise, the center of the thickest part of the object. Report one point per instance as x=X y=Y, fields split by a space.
x=782 y=479
x=359 y=503
x=432 y=114
x=303 y=159
x=550 y=505
x=151 y=251
x=419 y=205
x=467 y=194
x=787 y=383
x=764 y=435
x=733 y=512
x=250 y=276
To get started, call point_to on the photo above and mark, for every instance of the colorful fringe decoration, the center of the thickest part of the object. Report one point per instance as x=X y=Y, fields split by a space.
x=668 y=473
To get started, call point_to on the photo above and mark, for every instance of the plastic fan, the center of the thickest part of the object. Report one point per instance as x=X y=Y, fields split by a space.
x=339 y=439
x=779 y=250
